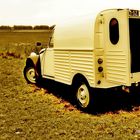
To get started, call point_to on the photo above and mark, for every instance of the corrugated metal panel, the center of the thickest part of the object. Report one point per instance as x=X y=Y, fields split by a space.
x=116 y=69
x=68 y=63
x=82 y=61
x=62 y=66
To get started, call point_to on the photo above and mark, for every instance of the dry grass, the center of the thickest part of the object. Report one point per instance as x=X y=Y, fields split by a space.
x=20 y=44
x=29 y=112
x=20 y=50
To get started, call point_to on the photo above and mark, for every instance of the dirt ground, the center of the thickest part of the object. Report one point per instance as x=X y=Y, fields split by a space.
x=30 y=112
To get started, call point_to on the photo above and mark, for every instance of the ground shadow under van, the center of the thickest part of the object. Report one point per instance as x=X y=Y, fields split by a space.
x=109 y=100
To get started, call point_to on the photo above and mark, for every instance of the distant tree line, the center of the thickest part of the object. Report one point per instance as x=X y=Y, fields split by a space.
x=23 y=27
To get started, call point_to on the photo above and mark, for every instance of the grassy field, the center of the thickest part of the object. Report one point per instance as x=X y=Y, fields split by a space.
x=21 y=43
x=30 y=112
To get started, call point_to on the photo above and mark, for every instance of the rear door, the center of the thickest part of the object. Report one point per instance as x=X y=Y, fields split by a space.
x=117 y=52
x=134 y=33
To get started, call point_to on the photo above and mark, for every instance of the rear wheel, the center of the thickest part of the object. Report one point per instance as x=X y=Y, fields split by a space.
x=30 y=74
x=83 y=96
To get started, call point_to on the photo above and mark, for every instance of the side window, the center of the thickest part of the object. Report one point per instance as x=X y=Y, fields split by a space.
x=114 y=31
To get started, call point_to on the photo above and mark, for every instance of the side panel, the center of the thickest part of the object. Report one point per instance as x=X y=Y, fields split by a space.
x=73 y=49
x=83 y=62
x=70 y=62
x=62 y=66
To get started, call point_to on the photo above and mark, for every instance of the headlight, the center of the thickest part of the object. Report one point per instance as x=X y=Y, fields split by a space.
x=33 y=54
x=42 y=50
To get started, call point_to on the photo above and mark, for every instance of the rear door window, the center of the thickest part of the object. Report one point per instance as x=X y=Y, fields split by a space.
x=114 y=31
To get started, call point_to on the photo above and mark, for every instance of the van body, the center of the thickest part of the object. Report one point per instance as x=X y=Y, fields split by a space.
x=101 y=52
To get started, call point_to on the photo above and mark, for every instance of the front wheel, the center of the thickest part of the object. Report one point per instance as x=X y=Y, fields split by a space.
x=30 y=75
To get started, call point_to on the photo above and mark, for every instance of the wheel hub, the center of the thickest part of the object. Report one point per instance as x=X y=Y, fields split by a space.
x=83 y=94
x=31 y=75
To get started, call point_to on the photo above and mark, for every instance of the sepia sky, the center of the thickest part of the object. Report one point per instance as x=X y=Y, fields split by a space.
x=32 y=12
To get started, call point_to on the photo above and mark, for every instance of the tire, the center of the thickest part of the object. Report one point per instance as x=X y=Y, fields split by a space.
x=30 y=74
x=83 y=96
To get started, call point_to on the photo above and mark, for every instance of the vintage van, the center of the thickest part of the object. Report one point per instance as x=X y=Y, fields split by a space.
x=88 y=52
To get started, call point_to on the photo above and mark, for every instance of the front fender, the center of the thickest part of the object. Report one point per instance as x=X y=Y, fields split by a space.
x=34 y=61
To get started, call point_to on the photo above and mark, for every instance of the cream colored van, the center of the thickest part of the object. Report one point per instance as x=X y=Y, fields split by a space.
x=88 y=52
